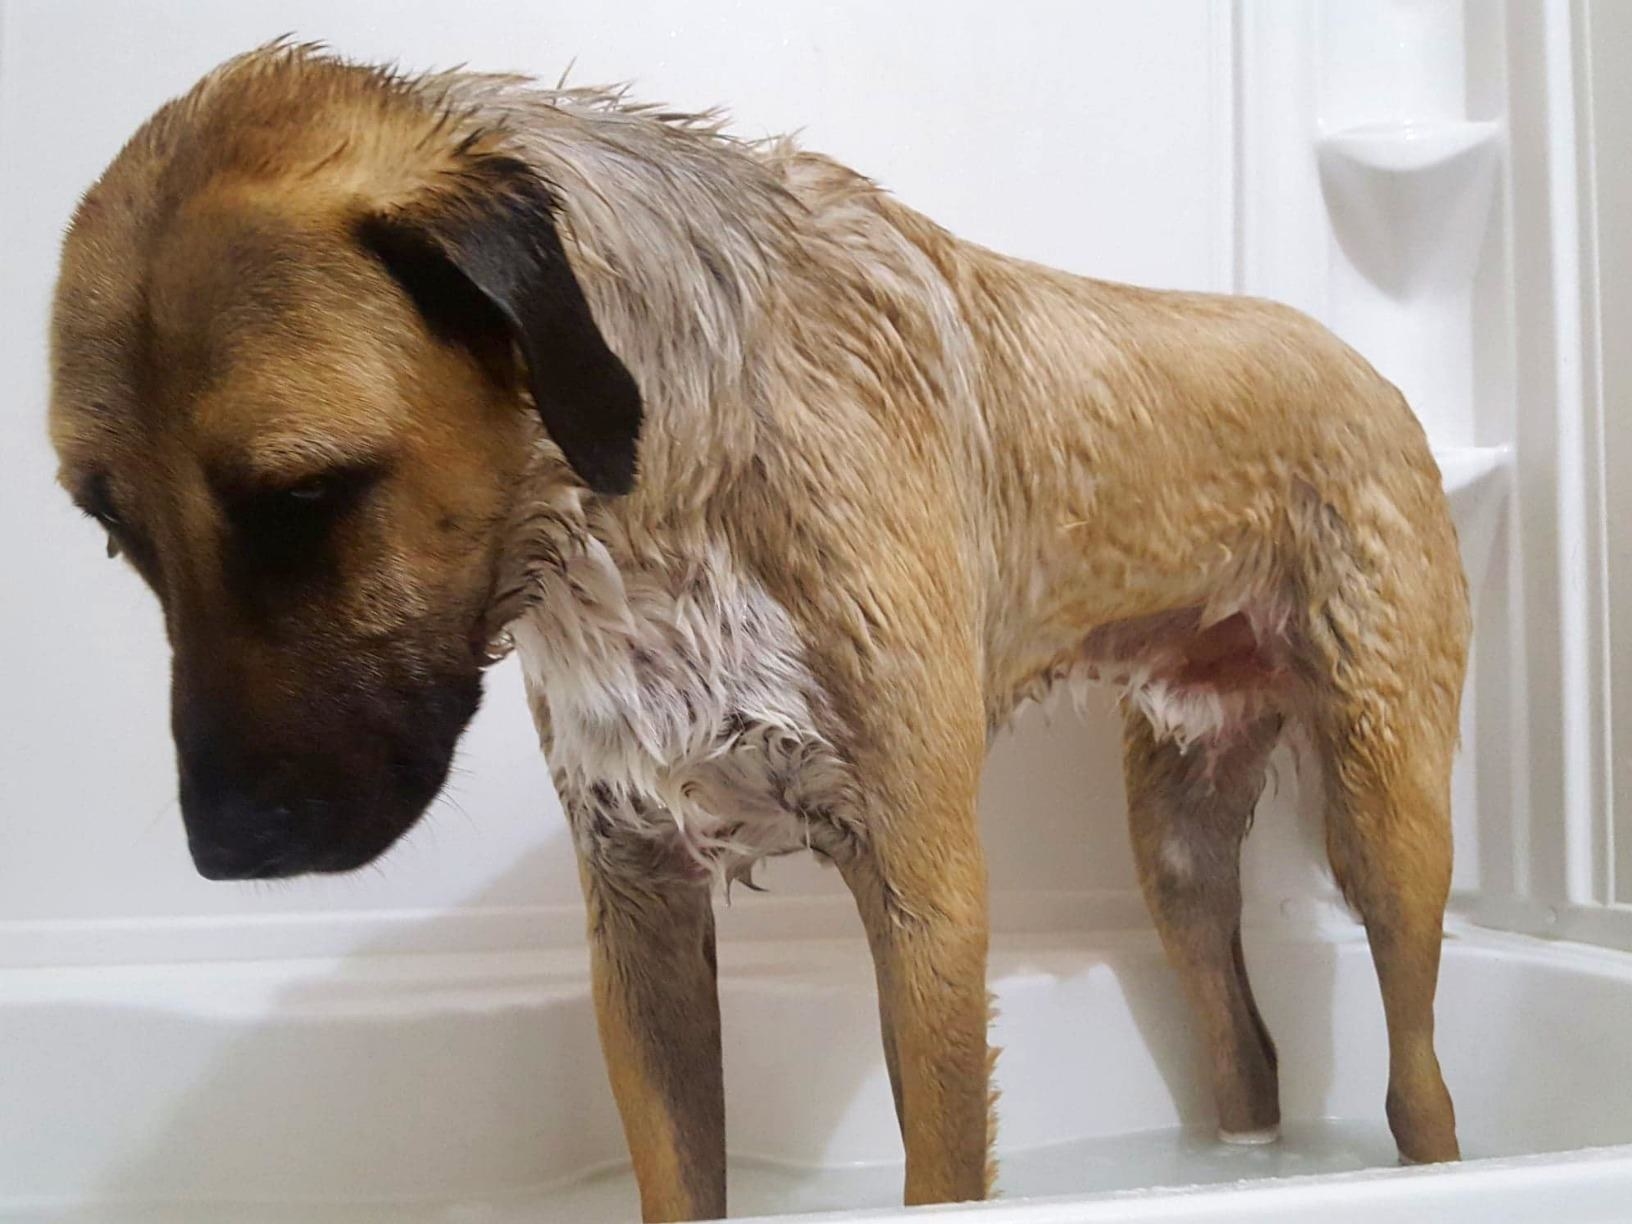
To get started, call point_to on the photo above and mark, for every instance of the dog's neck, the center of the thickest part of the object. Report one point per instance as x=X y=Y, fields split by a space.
x=674 y=231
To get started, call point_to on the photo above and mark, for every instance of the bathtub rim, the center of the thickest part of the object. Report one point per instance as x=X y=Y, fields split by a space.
x=389 y=985
x=1544 y=1186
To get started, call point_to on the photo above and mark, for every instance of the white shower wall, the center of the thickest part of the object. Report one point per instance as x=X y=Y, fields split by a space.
x=1213 y=144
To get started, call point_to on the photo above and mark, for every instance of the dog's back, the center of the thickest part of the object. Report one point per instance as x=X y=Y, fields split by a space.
x=1130 y=466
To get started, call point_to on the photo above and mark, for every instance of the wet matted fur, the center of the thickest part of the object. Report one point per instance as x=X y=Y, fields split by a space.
x=787 y=498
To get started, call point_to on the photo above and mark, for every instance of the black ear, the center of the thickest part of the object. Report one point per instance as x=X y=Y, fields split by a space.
x=481 y=258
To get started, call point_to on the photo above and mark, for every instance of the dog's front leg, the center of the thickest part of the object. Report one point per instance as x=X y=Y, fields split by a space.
x=920 y=884
x=651 y=936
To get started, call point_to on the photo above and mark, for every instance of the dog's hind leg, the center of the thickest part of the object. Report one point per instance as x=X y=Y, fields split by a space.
x=1388 y=835
x=651 y=936
x=1387 y=648
x=1189 y=809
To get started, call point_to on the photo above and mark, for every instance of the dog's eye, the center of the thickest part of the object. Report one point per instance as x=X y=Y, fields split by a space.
x=324 y=490
x=316 y=489
x=336 y=485
x=95 y=505
x=286 y=525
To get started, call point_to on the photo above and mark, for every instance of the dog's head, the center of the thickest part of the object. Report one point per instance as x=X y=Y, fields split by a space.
x=302 y=327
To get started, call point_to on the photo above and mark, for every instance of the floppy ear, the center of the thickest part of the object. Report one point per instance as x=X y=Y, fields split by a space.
x=481 y=258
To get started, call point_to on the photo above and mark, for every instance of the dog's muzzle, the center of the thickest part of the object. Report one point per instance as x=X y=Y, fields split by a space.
x=250 y=818
x=263 y=803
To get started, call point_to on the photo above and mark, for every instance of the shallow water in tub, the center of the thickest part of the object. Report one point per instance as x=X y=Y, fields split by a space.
x=1151 y=1158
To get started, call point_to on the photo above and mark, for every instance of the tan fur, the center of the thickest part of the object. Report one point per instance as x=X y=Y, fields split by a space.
x=927 y=480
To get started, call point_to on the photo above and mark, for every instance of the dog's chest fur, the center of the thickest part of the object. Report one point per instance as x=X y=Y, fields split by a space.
x=674 y=703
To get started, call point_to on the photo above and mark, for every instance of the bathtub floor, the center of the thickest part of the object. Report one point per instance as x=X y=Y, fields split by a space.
x=1154 y=1158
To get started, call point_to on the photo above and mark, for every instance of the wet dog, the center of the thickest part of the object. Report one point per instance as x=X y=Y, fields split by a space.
x=787 y=498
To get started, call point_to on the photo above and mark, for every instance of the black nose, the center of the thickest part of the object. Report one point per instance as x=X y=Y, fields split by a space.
x=222 y=861
x=234 y=836
x=234 y=803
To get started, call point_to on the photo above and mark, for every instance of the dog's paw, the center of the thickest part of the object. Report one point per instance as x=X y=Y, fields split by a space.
x=1252 y=1138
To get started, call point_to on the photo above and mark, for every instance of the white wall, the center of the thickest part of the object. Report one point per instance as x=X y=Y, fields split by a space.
x=1097 y=137
x=1610 y=135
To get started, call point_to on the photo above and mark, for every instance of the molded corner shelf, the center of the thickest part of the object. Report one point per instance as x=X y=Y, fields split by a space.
x=1477 y=483
x=1409 y=201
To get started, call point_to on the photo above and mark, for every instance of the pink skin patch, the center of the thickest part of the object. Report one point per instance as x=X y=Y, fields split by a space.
x=1224 y=656
x=1198 y=683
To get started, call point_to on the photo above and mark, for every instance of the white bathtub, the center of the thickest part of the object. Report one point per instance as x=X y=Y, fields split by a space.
x=469 y=1089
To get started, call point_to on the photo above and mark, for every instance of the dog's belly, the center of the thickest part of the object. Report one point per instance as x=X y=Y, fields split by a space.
x=1194 y=678
x=1194 y=682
